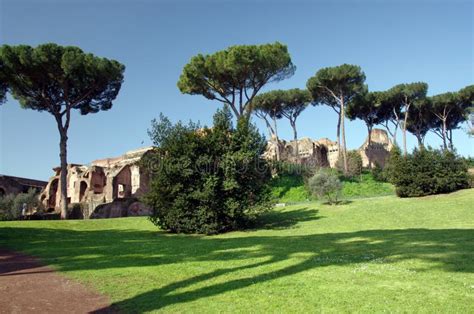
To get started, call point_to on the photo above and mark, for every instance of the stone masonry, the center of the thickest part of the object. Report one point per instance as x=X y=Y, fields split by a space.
x=104 y=181
x=324 y=152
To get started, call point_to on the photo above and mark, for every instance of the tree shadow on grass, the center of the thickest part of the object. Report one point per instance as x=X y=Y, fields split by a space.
x=285 y=219
x=449 y=250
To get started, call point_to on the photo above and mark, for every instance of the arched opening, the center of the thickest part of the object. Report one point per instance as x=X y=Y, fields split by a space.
x=82 y=190
x=53 y=189
x=2 y=192
x=323 y=155
x=122 y=183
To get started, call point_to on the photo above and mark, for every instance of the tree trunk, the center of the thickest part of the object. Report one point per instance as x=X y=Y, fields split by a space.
x=369 y=143
x=277 y=141
x=63 y=178
x=420 y=141
x=295 y=137
x=339 y=133
x=450 y=138
x=343 y=137
x=405 y=130
x=395 y=134
x=445 y=146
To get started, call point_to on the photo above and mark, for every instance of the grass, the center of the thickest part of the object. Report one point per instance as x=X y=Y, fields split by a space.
x=372 y=255
x=291 y=188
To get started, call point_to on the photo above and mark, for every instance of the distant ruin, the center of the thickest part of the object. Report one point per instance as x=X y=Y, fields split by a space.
x=325 y=153
x=111 y=187
x=103 y=188
x=17 y=185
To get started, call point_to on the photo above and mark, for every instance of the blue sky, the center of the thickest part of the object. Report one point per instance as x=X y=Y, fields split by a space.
x=393 y=42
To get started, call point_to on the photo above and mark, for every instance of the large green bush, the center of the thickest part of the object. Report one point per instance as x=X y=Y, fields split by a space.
x=207 y=180
x=427 y=171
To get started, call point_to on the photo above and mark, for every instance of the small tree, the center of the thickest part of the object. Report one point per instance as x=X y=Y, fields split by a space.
x=235 y=75
x=336 y=87
x=420 y=120
x=294 y=102
x=283 y=103
x=390 y=114
x=59 y=80
x=449 y=110
x=367 y=107
x=326 y=185
x=403 y=96
x=268 y=106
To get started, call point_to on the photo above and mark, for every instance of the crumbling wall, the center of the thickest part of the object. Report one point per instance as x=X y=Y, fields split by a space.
x=325 y=153
x=104 y=181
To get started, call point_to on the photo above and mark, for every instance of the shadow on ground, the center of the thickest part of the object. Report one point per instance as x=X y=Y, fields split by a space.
x=450 y=250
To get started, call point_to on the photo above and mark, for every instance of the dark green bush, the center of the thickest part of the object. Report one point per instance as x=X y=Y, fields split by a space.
x=354 y=163
x=378 y=173
x=426 y=172
x=207 y=180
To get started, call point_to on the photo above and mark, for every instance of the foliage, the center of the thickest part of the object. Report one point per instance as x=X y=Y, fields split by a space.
x=367 y=107
x=57 y=80
x=53 y=78
x=11 y=205
x=420 y=119
x=379 y=173
x=336 y=87
x=235 y=75
x=207 y=180
x=3 y=84
x=325 y=185
x=426 y=172
x=332 y=84
x=402 y=97
x=354 y=164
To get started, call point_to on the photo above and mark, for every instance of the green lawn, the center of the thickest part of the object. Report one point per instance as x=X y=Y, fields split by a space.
x=372 y=255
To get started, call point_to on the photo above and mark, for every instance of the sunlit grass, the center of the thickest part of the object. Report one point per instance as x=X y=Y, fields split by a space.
x=370 y=255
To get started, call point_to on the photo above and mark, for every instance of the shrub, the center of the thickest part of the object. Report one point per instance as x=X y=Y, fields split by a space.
x=354 y=163
x=326 y=185
x=426 y=172
x=207 y=180
x=12 y=205
x=378 y=173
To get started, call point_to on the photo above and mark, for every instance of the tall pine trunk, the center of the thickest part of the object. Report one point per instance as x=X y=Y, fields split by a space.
x=295 y=138
x=343 y=137
x=369 y=143
x=445 y=145
x=63 y=178
x=450 y=139
x=405 y=130
x=277 y=141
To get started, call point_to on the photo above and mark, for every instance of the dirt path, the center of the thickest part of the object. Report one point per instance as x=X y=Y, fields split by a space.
x=26 y=286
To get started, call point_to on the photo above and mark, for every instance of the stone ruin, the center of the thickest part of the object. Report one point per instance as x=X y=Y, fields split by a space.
x=325 y=153
x=17 y=185
x=105 y=188
x=111 y=187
